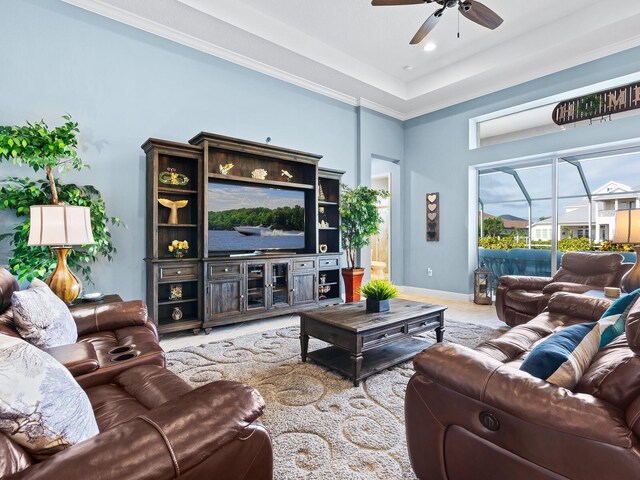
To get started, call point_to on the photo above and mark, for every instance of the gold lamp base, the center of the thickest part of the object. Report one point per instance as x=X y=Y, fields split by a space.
x=62 y=281
x=631 y=281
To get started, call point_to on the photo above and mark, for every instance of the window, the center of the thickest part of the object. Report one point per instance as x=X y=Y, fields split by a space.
x=519 y=208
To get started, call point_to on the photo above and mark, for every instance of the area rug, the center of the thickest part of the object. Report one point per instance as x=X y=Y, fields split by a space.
x=322 y=427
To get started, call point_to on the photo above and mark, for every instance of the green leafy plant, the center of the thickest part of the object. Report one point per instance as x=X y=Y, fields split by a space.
x=379 y=290
x=42 y=148
x=359 y=218
x=27 y=262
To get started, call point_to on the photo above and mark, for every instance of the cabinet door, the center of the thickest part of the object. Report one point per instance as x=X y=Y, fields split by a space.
x=224 y=297
x=305 y=288
x=280 y=284
x=256 y=291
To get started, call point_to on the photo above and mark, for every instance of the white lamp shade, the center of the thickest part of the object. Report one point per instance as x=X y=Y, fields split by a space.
x=58 y=225
x=627 y=226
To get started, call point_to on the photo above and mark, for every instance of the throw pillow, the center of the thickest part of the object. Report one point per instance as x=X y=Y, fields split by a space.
x=563 y=357
x=615 y=317
x=42 y=407
x=41 y=318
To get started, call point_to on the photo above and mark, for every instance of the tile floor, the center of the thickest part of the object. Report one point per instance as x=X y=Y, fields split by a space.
x=457 y=310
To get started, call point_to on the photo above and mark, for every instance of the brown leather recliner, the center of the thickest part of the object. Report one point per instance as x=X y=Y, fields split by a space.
x=473 y=414
x=520 y=298
x=152 y=424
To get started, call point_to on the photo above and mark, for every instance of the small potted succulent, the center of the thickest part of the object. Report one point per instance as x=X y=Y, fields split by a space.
x=178 y=248
x=379 y=294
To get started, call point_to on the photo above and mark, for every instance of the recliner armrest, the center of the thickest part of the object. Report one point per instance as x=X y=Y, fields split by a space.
x=568 y=287
x=518 y=393
x=524 y=282
x=110 y=316
x=163 y=443
x=79 y=358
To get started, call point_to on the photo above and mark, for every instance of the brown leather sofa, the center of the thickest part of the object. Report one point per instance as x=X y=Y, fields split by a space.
x=473 y=414
x=520 y=298
x=152 y=424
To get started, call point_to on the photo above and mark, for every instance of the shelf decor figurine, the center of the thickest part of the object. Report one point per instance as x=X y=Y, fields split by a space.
x=323 y=248
x=259 y=174
x=379 y=294
x=321 y=196
x=175 y=291
x=176 y=314
x=174 y=206
x=178 y=248
x=287 y=175
x=226 y=168
x=171 y=177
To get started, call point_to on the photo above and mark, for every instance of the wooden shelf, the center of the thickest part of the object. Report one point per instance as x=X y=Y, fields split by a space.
x=176 y=190
x=178 y=225
x=327 y=228
x=324 y=203
x=182 y=300
x=263 y=182
x=327 y=283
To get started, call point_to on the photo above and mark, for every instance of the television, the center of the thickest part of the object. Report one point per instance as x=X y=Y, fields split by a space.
x=247 y=218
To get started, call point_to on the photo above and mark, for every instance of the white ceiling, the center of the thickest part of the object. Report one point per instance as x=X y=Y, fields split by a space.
x=354 y=52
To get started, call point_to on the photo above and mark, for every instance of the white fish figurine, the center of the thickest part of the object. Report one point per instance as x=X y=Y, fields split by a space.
x=287 y=175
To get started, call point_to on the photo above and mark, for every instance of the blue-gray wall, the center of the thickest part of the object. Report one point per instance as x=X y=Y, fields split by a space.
x=437 y=159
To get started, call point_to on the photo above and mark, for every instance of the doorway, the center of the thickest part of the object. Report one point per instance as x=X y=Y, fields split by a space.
x=381 y=243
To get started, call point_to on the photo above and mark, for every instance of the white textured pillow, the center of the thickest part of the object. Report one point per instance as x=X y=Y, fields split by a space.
x=41 y=318
x=42 y=407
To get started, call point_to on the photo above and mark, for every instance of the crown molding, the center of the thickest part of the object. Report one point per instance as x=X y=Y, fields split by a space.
x=389 y=112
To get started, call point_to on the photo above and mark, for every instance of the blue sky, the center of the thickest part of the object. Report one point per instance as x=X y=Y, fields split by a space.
x=227 y=197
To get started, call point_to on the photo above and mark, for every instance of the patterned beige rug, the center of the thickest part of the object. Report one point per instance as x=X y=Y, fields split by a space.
x=322 y=427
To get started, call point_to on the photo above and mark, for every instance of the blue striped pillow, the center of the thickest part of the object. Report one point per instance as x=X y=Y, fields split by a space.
x=563 y=357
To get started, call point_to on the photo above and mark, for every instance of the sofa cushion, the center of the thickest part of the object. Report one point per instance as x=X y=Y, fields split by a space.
x=133 y=393
x=42 y=318
x=42 y=407
x=563 y=357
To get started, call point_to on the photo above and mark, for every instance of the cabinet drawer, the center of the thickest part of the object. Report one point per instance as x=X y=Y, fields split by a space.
x=382 y=336
x=428 y=323
x=330 y=262
x=217 y=269
x=183 y=272
x=304 y=264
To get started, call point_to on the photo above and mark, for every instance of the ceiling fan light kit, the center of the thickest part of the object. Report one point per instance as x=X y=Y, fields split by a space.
x=475 y=11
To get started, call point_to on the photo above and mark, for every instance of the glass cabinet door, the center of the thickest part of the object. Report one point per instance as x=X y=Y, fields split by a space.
x=280 y=284
x=256 y=286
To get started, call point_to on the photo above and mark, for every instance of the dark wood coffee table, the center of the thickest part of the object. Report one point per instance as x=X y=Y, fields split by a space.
x=366 y=343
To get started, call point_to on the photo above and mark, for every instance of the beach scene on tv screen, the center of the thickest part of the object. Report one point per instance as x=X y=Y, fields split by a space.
x=254 y=218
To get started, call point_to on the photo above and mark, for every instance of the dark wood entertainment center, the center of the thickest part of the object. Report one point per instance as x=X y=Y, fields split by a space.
x=219 y=288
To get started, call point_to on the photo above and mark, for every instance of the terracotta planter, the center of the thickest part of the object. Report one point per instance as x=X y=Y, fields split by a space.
x=352 y=281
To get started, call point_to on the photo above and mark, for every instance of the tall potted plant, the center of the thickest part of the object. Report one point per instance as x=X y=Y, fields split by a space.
x=360 y=221
x=50 y=150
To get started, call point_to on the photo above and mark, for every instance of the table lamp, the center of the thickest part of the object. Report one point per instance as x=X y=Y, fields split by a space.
x=628 y=231
x=59 y=227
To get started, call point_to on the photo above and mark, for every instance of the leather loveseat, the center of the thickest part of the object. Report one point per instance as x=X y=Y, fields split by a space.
x=520 y=298
x=152 y=424
x=473 y=414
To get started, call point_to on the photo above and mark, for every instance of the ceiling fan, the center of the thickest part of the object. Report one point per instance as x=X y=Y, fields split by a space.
x=474 y=11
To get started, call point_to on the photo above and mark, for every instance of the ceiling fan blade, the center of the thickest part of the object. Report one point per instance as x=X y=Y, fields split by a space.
x=480 y=14
x=384 y=3
x=426 y=27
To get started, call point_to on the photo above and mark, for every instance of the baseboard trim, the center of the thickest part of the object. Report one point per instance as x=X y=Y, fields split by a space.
x=460 y=297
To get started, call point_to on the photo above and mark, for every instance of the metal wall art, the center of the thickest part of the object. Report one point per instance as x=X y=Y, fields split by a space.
x=433 y=217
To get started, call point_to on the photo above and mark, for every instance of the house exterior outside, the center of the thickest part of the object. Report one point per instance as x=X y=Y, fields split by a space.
x=574 y=223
